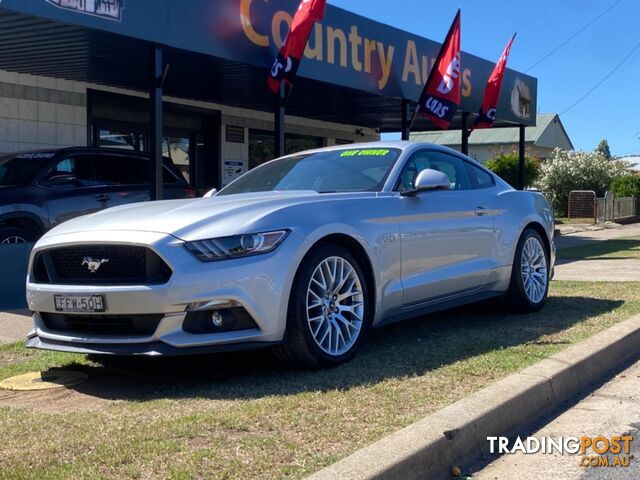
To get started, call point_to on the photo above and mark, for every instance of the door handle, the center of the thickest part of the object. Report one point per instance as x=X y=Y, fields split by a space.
x=103 y=198
x=480 y=211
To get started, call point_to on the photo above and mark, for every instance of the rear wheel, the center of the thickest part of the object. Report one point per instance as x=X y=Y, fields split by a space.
x=530 y=275
x=329 y=310
x=14 y=235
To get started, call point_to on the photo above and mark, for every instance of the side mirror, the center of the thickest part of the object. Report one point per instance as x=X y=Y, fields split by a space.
x=210 y=193
x=429 y=180
x=62 y=180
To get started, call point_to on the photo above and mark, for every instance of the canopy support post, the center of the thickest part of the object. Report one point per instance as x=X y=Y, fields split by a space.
x=406 y=127
x=521 y=159
x=279 y=134
x=155 y=124
x=465 y=133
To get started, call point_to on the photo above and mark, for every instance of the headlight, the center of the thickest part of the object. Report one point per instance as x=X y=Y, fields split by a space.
x=237 y=246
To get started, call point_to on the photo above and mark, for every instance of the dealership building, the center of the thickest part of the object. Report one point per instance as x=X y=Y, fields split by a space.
x=187 y=79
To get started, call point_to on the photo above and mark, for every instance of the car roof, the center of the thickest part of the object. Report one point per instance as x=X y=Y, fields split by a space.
x=82 y=150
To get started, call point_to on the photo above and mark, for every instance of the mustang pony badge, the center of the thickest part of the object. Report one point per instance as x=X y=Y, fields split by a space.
x=94 y=265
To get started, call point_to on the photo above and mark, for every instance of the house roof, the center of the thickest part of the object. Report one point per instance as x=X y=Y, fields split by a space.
x=492 y=136
x=633 y=161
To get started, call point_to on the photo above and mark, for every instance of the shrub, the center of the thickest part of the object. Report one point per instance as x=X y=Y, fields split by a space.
x=627 y=186
x=571 y=170
x=506 y=167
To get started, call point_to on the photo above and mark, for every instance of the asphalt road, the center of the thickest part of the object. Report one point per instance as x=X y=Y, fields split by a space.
x=613 y=409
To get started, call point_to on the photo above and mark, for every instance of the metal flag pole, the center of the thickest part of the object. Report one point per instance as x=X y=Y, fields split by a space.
x=413 y=117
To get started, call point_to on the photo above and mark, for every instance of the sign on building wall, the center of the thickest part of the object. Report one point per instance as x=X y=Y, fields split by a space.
x=110 y=9
x=231 y=170
x=234 y=134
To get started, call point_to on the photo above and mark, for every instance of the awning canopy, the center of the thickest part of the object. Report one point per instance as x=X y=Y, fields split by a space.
x=65 y=39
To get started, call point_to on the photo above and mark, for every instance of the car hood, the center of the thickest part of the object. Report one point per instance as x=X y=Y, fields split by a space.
x=192 y=219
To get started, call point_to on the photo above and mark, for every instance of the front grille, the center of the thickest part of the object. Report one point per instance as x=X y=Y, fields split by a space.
x=100 y=265
x=133 y=325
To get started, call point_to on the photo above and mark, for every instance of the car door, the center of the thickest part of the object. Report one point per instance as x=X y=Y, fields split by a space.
x=71 y=189
x=447 y=235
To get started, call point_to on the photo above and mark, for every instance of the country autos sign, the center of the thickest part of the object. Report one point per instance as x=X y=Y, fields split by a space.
x=110 y=9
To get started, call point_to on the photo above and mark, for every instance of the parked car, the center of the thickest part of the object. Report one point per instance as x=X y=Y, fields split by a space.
x=42 y=189
x=305 y=253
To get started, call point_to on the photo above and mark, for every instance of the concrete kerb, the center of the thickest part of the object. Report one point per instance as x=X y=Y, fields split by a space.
x=457 y=435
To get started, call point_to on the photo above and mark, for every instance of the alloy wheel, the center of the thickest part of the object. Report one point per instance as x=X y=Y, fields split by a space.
x=13 y=240
x=534 y=270
x=335 y=306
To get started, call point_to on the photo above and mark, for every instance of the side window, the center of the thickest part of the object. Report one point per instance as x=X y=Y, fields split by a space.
x=70 y=173
x=115 y=170
x=451 y=166
x=454 y=168
x=168 y=176
x=418 y=162
x=481 y=178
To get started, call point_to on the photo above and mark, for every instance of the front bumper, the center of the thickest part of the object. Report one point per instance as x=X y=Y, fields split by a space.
x=260 y=285
x=153 y=349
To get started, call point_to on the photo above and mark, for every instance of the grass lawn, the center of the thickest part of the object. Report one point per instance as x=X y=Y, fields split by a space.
x=245 y=416
x=621 y=248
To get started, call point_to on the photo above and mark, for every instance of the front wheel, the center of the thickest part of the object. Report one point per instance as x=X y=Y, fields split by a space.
x=329 y=310
x=15 y=235
x=530 y=275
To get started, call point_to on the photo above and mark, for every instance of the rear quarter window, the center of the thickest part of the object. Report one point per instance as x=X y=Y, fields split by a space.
x=480 y=178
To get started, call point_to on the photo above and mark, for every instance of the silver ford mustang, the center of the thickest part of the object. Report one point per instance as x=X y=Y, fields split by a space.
x=305 y=254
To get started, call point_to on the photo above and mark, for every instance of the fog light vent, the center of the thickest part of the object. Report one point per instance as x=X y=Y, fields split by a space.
x=218 y=321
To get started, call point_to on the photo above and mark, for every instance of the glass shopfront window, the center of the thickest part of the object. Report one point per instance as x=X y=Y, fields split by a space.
x=178 y=149
x=262 y=146
x=123 y=139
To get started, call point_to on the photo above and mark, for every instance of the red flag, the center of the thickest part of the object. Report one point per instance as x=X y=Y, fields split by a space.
x=441 y=95
x=487 y=113
x=288 y=60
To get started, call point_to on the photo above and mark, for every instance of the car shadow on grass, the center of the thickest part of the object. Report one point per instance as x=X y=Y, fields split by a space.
x=410 y=348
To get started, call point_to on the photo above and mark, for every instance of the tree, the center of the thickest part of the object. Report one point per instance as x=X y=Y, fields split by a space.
x=568 y=170
x=603 y=148
x=506 y=166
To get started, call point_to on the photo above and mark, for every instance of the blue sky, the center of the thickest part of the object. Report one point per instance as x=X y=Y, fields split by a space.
x=612 y=111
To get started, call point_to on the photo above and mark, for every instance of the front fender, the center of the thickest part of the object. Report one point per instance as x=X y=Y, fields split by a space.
x=26 y=211
x=382 y=247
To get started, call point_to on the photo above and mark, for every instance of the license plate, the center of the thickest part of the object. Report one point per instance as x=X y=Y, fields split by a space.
x=79 y=303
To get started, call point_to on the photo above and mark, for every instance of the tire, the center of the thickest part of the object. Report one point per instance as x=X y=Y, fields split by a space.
x=320 y=332
x=14 y=235
x=529 y=285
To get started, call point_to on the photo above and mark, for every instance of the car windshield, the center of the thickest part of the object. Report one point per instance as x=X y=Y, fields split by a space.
x=22 y=168
x=349 y=170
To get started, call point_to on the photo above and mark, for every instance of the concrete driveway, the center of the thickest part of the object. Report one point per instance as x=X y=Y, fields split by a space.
x=601 y=270
x=14 y=326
